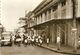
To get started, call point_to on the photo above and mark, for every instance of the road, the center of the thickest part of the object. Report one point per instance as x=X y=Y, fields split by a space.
x=29 y=50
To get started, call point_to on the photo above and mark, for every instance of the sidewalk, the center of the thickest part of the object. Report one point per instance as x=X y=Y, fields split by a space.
x=63 y=49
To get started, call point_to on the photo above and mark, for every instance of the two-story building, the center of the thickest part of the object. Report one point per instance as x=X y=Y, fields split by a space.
x=52 y=18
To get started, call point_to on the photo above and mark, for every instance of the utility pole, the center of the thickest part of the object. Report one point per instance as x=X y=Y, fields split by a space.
x=74 y=29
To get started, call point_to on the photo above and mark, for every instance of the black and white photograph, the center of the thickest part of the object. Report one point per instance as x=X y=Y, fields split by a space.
x=39 y=27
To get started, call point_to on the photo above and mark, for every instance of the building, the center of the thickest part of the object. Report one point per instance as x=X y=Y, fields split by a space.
x=22 y=26
x=1 y=30
x=29 y=16
x=52 y=18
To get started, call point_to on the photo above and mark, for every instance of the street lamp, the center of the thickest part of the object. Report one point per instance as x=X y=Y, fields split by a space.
x=74 y=29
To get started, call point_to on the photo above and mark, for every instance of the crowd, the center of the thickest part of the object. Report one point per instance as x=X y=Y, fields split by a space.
x=27 y=40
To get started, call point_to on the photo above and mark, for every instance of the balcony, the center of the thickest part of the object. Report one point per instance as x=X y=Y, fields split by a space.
x=63 y=12
x=55 y=15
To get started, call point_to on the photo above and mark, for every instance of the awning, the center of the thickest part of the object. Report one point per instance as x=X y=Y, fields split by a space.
x=48 y=23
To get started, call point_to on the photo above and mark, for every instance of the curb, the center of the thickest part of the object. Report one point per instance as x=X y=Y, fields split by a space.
x=58 y=51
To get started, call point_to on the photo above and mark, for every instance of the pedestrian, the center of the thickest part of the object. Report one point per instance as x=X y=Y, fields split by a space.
x=25 y=42
x=37 y=40
x=58 y=43
x=15 y=39
x=47 y=41
x=29 y=41
x=18 y=40
x=32 y=41
x=79 y=42
x=40 y=40
x=24 y=37
x=34 y=37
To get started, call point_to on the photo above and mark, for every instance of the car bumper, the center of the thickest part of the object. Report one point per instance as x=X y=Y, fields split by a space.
x=5 y=43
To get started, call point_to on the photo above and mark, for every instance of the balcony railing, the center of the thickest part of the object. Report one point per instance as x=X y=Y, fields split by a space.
x=55 y=14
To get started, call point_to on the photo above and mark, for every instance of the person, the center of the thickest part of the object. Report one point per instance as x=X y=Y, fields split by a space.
x=79 y=42
x=40 y=40
x=32 y=41
x=26 y=41
x=58 y=42
x=29 y=40
x=23 y=38
x=37 y=40
x=15 y=39
x=47 y=41
x=18 y=40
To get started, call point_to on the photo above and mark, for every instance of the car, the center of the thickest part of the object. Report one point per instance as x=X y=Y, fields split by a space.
x=6 y=39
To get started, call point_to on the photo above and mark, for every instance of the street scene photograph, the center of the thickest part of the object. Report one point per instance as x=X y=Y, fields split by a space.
x=39 y=27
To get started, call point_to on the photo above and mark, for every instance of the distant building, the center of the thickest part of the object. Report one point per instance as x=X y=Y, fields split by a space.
x=29 y=16
x=1 y=29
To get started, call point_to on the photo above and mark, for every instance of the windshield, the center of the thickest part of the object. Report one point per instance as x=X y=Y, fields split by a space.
x=6 y=36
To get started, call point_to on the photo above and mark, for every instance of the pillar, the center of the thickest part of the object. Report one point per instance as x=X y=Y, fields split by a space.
x=69 y=9
x=52 y=14
x=59 y=11
x=47 y=15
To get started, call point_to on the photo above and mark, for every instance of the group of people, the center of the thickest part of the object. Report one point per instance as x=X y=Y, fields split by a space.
x=27 y=40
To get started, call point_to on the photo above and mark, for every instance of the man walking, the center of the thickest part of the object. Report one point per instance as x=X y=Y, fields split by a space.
x=58 y=42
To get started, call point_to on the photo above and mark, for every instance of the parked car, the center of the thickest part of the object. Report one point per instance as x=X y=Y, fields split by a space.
x=6 y=39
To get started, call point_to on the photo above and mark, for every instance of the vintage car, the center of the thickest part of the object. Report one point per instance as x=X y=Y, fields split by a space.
x=6 y=39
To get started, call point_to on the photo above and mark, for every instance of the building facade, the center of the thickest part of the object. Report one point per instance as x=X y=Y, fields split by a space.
x=52 y=18
x=1 y=30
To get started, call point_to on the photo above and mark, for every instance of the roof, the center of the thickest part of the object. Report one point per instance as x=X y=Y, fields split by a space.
x=41 y=5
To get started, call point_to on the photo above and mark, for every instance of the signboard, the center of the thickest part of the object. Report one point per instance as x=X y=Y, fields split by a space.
x=74 y=29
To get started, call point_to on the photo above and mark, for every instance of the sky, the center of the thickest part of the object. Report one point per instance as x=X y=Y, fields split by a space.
x=12 y=10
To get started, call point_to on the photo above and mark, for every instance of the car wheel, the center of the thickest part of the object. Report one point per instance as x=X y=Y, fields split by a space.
x=1 y=45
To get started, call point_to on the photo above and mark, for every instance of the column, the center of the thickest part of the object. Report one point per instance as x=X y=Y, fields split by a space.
x=43 y=17
x=69 y=9
x=58 y=37
x=37 y=19
x=47 y=15
x=78 y=8
x=40 y=18
x=52 y=14
x=66 y=36
x=59 y=11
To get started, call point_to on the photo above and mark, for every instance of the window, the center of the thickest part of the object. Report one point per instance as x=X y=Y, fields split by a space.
x=50 y=14
x=63 y=13
x=45 y=15
x=55 y=8
x=63 y=2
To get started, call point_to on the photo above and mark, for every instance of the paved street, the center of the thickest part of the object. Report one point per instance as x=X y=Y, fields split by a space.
x=29 y=50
